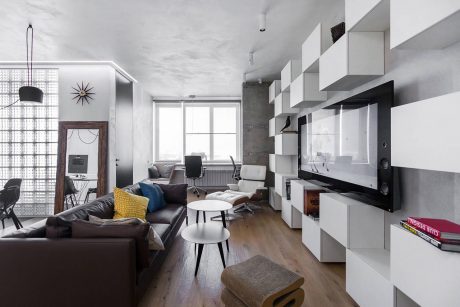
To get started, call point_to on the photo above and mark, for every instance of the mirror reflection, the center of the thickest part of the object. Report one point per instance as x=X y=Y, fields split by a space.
x=80 y=183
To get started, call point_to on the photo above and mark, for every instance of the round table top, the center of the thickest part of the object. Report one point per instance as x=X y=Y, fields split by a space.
x=210 y=205
x=205 y=233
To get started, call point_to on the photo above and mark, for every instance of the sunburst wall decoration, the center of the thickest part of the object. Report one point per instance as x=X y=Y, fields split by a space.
x=83 y=93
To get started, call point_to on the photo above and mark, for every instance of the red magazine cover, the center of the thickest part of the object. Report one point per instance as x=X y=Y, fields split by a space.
x=437 y=228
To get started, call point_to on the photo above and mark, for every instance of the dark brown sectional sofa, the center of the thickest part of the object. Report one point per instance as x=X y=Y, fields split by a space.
x=36 y=271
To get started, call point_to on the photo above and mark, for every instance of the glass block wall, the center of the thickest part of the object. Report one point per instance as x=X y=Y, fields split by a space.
x=28 y=140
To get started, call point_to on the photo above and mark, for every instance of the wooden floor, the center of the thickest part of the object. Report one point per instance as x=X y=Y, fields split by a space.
x=262 y=233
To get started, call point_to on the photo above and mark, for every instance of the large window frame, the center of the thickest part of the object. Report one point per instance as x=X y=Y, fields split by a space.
x=183 y=122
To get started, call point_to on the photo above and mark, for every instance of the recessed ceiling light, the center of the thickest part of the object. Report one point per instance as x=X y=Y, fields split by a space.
x=262 y=22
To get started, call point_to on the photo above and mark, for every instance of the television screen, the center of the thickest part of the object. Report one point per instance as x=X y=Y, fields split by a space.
x=346 y=148
x=78 y=164
x=341 y=142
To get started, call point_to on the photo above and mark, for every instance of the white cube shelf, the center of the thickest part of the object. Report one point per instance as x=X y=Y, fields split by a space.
x=281 y=164
x=298 y=188
x=282 y=105
x=286 y=144
x=280 y=182
x=368 y=277
x=313 y=47
x=416 y=144
x=289 y=73
x=290 y=215
x=305 y=91
x=274 y=199
x=275 y=125
x=367 y=15
x=424 y=24
x=352 y=223
x=274 y=90
x=356 y=58
x=426 y=274
x=320 y=244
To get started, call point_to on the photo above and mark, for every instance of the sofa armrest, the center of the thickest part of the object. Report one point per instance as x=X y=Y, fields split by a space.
x=68 y=272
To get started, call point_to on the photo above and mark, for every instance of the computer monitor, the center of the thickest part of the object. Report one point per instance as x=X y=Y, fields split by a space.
x=78 y=164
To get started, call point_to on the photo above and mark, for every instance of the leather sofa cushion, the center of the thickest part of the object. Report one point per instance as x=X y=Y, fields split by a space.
x=58 y=227
x=85 y=229
x=175 y=193
x=133 y=189
x=162 y=230
x=168 y=215
x=153 y=172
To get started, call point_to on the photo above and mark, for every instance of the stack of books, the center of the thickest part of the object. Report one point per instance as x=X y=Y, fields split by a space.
x=443 y=234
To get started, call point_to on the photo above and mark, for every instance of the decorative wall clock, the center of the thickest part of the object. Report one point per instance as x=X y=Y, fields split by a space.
x=83 y=93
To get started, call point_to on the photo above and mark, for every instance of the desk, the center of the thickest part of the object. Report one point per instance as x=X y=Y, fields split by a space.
x=82 y=185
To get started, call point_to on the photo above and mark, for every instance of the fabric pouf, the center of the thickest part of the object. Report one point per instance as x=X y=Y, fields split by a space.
x=261 y=282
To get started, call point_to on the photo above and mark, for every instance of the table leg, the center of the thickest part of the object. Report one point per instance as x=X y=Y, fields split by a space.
x=204 y=216
x=228 y=248
x=200 y=251
x=222 y=214
x=197 y=216
x=221 y=251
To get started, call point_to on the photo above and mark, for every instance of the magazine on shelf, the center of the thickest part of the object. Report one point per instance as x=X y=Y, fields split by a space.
x=442 y=246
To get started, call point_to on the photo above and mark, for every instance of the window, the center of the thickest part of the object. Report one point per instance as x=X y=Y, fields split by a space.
x=209 y=129
x=28 y=140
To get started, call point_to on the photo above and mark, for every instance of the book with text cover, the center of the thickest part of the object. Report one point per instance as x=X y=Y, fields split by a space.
x=437 y=228
x=432 y=241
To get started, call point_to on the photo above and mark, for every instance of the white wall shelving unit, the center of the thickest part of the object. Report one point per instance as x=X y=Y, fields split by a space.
x=280 y=182
x=282 y=105
x=274 y=199
x=290 y=215
x=305 y=91
x=367 y=15
x=423 y=272
x=273 y=91
x=356 y=58
x=416 y=144
x=352 y=223
x=275 y=125
x=281 y=164
x=289 y=73
x=317 y=42
x=370 y=269
x=424 y=24
x=286 y=144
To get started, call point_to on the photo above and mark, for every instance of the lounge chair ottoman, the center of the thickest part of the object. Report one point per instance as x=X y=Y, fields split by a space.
x=261 y=282
x=232 y=198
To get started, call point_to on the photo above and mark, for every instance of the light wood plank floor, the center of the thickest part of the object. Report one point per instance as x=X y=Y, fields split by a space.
x=262 y=233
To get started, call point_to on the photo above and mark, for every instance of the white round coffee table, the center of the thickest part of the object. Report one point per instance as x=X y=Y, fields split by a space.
x=210 y=205
x=206 y=233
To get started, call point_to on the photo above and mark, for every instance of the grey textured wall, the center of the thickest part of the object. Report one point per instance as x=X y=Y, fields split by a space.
x=418 y=75
x=256 y=112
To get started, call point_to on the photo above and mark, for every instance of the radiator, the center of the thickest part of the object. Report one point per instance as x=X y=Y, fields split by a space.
x=214 y=178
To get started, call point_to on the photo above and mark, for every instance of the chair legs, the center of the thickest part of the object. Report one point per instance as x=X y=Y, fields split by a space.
x=242 y=207
x=16 y=221
x=196 y=190
x=3 y=223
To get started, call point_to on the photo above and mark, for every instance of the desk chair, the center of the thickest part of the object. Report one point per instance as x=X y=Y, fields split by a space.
x=89 y=192
x=70 y=192
x=9 y=196
x=236 y=170
x=194 y=170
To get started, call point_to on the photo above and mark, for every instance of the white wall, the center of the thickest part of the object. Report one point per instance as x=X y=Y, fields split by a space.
x=142 y=133
x=102 y=108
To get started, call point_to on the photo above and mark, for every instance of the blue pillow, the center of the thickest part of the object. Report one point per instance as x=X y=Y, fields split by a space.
x=155 y=195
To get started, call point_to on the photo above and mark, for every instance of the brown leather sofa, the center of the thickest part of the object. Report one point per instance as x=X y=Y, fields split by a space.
x=36 y=271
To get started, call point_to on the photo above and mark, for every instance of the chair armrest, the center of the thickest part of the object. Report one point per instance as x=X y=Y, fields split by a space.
x=233 y=187
x=62 y=270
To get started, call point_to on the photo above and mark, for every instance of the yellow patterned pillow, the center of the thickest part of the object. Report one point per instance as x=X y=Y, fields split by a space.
x=129 y=205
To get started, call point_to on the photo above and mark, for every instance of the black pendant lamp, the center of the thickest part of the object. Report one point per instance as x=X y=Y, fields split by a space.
x=30 y=93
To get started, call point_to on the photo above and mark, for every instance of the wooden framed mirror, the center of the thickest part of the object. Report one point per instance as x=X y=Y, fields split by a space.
x=82 y=163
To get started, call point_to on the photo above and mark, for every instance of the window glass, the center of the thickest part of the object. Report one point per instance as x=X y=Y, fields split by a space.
x=169 y=133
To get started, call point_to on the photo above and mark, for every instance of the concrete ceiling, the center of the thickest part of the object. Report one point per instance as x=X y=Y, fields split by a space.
x=172 y=47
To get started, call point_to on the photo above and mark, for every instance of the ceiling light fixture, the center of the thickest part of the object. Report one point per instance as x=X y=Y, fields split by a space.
x=251 y=58
x=262 y=22
x=30 y=93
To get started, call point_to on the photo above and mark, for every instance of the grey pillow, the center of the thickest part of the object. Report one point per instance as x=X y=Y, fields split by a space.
x=153 y=172
x=165 y=170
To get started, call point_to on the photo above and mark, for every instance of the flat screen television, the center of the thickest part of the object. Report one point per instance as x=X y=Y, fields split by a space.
x=346 y=147
x=78 y=164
